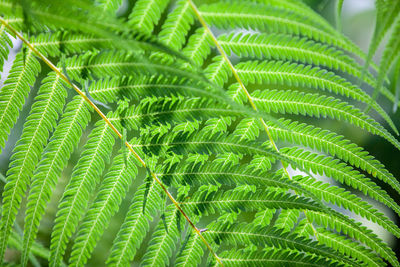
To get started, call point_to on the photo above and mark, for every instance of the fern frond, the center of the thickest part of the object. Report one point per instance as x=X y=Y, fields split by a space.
x=335 y=145
x=202 y=142
x=356 y=231
x=135 y=226
x=218 y=72
x=345 y=199
x=272 y=257
x=263 y=218
x=54 y=158
x=390 y=55
x=200 y=126
x=287 y=219
x=298 y=75
x=40 y=122
x=5 y=43
x=191 y=253
x=112 y=190
x=216 y=173
x=304 y=228
x=264 y=17
x=146 y=13
x=177 y=25
x=348 y=247
x=387 y=11
x=208 y=202
x=67 y=43
x=198 y=47
x=302 y=9
x=163 y=241
x=335 y=169
x=83 y=181
x=294 y=102
x=288 y=48
x=14 y=91
x=242 y=234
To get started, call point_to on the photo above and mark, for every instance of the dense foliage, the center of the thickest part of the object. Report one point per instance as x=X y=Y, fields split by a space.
x=194 y=115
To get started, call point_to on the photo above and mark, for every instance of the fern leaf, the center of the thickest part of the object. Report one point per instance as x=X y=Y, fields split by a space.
x=41 y=120
x=348 y=247
x=135 y=226
x=293 y=102
x=298 y=75
x=348 y=201
x=333 y=168
x=67 y=43
x=5 y=43
x=283 y=47
x=263 y=218
x=192 y=253
x=146 y=13
x=387 y=11
x=163 y=241
x=177 y=25
x=112 y=190
x=83 y=181
x=304 y=228
x=287 y=219
x=16 y=88
x=272 y=257
x=218 y=72
x=389 y=57
x=266 y=236
x=356 y=231
x=206 y=202
x=264 y=18
x=302 y=9
x=198 y=47
x=54 y=158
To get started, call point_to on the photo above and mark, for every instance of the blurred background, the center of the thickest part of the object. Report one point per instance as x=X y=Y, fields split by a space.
x=358 y=20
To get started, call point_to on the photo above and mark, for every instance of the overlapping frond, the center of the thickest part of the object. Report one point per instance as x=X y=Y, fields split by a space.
x=55 y=156
x=40 y=122
x=212 y=103
x=84 y=178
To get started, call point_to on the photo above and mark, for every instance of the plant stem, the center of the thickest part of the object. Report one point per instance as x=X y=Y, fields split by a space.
x=243 y=87
x=113 y=128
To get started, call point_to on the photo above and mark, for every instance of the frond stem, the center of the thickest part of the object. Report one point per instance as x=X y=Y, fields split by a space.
x=243 y=87
x=113 y=128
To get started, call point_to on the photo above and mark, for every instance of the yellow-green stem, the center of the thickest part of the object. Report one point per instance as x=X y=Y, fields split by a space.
x=243 y=87
x=114 y=129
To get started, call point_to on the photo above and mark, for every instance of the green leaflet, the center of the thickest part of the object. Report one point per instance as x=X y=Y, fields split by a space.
x=15 y=89
x=41 y=121
x=134 y=227
x=213 y=143
x=272 y=257
x=348 y=247
x=289 y=48
x=355 y=230
x=348 y=201
x=146 y=13
x=298 y=75
x=267 y=18
x=56 y=154
x=163 y=240
x=293 y=102
x=266 y=236
x=112 y=191
x=4 y=43
x=84 y=179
